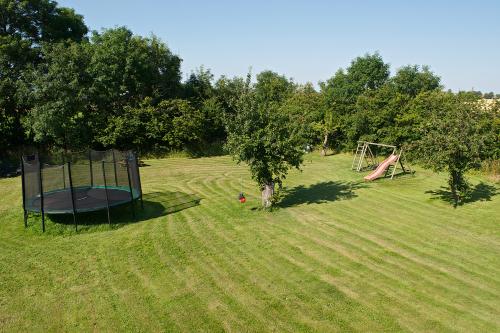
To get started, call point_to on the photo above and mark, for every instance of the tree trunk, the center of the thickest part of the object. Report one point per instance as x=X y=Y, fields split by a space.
x=325 y=145
x=267 y=194
x=454 y=187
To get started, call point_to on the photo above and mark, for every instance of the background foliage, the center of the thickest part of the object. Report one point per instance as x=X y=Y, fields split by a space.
x=63 y=87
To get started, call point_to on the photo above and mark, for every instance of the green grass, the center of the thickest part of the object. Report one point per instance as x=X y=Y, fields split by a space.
x=339 y=255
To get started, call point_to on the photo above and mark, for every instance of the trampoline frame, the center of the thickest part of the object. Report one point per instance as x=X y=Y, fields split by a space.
x=30 y=207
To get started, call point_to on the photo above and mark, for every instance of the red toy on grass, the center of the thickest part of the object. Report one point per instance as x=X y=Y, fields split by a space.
x=242 y=198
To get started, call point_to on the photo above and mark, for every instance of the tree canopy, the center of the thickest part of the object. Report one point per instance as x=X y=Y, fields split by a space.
x=82 y=88
x=453 y=137
x=24 y=26
x=264 y=135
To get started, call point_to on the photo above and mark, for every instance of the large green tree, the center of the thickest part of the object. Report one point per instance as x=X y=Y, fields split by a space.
x=24 y=26
x=368 y=72
x=306 y=106
x=169 y=125
x=341 y=92
x=198 y=87
x=58 y=89
x=413 y=79
x=213 y=104
x=127 y=68
x=81 y=90
x=377 y=115
x=228 y=92
x=386 y=114
x=273 y=89
x=265 y=136
x=453 y=137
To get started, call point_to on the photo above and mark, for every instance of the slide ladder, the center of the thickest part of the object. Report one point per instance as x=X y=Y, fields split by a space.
x=363 y=153
x=358 y=156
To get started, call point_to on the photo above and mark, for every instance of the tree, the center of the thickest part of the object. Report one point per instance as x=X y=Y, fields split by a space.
x=198 y=86
x=307 y=107
x=491 y=124
x=59 y=90
x=367 y=72
x=213 y=122
x=272 y=88
x=229 y=92
x=169 y=125
x=178 y=123
x=452 y=138
x=495 y=125
x=378 y=114
x=40 y=21
x=385 y=114
x=264 y=135
x=216 y=103
x=80 y=91
x=412 y=80
x=127 y=68
x=489 y=95
x=341 y=92
x=24 y=26
x=338 y=107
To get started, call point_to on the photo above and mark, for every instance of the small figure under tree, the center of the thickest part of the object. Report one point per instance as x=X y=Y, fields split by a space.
x=265 y=135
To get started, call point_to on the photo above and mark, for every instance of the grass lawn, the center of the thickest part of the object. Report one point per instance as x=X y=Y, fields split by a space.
x=338 y=255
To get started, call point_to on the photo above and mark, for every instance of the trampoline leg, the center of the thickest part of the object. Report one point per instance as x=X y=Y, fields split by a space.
x=132 y=205
x=43 y=221
x=25 y=219
x=74 y=221
x=109 y=218
x=130 y=190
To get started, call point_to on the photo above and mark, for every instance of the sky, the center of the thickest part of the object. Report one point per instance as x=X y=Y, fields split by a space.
x=310 y=40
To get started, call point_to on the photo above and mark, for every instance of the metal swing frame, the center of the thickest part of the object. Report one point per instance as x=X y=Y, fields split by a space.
x=364 y=159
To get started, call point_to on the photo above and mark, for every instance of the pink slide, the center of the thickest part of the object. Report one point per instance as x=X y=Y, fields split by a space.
x=382 y=167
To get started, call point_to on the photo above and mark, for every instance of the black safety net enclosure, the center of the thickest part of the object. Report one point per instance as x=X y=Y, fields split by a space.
x=79 y=182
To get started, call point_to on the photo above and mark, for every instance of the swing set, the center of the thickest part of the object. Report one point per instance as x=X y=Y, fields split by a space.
x=365 y=159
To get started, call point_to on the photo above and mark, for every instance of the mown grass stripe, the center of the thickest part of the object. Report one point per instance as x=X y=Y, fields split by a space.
x=323 y=262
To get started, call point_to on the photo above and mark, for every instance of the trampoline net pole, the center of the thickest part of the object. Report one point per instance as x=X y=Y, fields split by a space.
x=40 y=184
x=106 y=191
x=139 y=179
x=114 y=165
x=72 y=195
x=130 y=187
x=23 y=185
x=90 y=169
x=64 y=177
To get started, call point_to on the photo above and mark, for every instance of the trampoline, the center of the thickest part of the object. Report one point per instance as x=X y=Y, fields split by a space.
x=84 y=182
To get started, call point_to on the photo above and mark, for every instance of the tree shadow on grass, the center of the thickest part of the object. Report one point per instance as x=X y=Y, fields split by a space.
x=154 y=205
x=320 y=193
x=480 y=192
